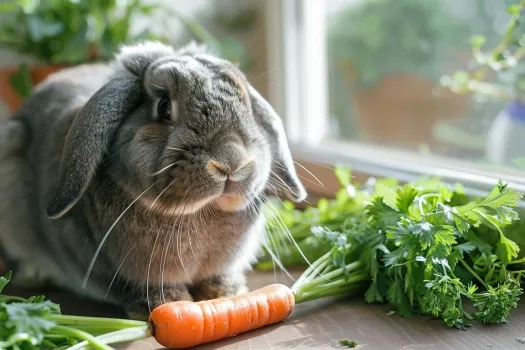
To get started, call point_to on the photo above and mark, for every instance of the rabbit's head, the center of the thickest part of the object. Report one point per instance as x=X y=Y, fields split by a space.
x=179 y=129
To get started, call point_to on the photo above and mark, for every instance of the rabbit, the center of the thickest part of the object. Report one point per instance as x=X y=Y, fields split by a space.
x=142 y=181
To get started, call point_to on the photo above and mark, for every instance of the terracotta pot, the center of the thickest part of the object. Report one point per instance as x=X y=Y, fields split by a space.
x=10 y=96
x=401 y=109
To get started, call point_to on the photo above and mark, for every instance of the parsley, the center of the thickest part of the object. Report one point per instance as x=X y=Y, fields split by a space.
x=349 y=343
x=37 y=324
x=423 y=247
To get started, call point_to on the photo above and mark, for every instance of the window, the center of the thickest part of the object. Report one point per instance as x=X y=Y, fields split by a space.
x=358 y=81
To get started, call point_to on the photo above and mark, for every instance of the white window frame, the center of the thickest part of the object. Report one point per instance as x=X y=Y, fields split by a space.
x=298 y=90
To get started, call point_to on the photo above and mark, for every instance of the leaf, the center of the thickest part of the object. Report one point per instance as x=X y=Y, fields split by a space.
x=480 y=244
x=30 y=319
x=405 y=197
x=506 y=249
x=21 y=81
x=381 y=214
x=442 y=299
x=445 y=237
x=461 y=223
x=349 y=343
x=506 y=215
x=394 y=256
x=5 y=280
x=372 y=294
x=378 y=289
x=397 y=297
x=501 y=196
x=465 y=247
x=495 y=304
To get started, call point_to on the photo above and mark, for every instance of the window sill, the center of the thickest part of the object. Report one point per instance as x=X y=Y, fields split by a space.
x=370 y=161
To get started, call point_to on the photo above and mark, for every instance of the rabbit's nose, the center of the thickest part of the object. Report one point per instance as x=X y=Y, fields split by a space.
x=231 y=173
x=230 y=161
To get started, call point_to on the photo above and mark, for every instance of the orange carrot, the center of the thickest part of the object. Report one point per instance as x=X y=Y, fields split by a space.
x=184 y=324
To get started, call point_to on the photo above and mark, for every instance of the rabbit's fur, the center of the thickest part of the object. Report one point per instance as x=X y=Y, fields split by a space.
x=88 y=154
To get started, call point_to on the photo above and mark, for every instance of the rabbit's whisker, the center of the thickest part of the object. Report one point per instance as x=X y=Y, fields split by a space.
x=202 y=227
x=275 y=256
x=287 y=232
x=118 y=269
x=162 y=265
x=283 y=182
x=318 y=183
x=308 y=171
x=99 y=248
x=161 y=193
x=165 y=255
x=179 y=241
x=316 y=163
x=149 y=267
x=163 y=169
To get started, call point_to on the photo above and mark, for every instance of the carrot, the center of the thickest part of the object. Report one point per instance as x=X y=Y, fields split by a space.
x=184 y=324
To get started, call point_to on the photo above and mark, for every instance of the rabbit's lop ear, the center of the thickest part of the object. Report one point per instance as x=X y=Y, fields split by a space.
x=88 y=140
x=283 y=165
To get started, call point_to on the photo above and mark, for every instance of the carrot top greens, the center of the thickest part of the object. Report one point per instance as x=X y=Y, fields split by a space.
x=423 y=247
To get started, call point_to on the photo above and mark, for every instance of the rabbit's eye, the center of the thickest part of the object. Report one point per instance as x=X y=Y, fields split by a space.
x=164 y=108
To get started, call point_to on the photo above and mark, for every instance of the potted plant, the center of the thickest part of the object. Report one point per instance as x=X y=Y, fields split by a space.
x=500 y=73
x=60 y=33
x=390 y=57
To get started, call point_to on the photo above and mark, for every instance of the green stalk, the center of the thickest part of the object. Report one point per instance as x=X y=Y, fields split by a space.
x=75 y=333
x=120 y=336
x=333 y=283
x=301 y=298
x=473 y=273
x=519 y=261
x=327 y=276
x=322 y=288
x=99 y=323
x=312 y=268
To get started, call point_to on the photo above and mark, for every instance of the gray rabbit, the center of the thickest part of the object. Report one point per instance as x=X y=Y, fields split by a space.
x=142 y=181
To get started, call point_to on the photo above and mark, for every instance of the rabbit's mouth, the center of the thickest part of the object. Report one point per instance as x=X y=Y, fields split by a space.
x=231 y=202
x=176 y=209
x=227 y=200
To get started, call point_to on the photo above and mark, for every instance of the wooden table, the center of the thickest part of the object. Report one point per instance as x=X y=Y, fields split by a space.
x=318 y=325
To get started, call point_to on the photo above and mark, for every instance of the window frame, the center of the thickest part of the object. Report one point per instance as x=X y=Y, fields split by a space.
x=298 y=90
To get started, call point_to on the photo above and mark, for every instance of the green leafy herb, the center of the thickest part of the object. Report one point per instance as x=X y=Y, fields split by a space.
x=423 y=247
x=349 y=343
x=37 y=324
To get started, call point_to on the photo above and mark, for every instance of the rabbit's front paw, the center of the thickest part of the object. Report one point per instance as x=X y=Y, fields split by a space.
x=140 y=306
x=219 y=286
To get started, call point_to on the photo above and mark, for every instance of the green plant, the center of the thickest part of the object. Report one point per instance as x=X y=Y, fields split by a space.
x=423 y=247
x=505 y=59
x=375 y=37
x=71 y=31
